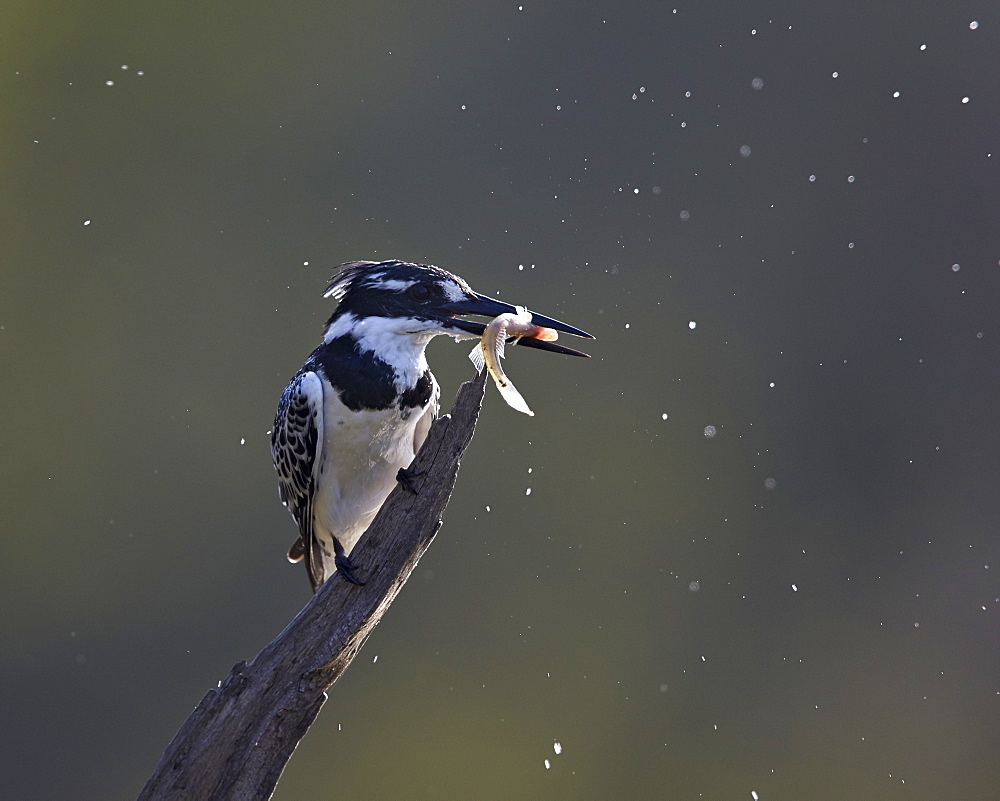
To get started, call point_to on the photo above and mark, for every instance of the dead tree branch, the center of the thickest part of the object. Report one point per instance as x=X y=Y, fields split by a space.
x=236 y=742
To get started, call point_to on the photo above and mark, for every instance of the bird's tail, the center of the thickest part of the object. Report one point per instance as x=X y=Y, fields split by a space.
x=297 y=551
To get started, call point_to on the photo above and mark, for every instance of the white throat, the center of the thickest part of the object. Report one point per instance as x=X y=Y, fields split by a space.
x=400 y=343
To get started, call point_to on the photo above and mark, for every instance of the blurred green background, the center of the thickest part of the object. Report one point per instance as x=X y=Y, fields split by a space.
x=765 y=238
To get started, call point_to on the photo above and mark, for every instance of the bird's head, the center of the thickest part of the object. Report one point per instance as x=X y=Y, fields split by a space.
x=421 y=300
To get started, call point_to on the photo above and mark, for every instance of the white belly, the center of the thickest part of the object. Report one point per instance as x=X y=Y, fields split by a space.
x=362 y=453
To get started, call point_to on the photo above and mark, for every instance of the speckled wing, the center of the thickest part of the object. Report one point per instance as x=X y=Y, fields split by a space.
x=296 y=448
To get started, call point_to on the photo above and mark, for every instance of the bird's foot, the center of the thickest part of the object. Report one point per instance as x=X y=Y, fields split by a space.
x=346 y=568
x=405 y=477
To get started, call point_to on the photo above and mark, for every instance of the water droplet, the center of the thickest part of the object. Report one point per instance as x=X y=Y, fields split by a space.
x=757 y=83
x=710 y=431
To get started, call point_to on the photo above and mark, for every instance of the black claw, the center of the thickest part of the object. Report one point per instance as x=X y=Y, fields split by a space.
x=346 y=568
x=405 y=477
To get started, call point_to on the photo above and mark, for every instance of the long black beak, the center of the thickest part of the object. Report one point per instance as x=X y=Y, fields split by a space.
x=488 y=307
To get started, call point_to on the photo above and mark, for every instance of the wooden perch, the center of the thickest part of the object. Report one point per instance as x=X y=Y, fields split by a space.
x=236 y=742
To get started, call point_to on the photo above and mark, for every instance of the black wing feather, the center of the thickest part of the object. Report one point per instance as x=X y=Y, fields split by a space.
x=296 y=443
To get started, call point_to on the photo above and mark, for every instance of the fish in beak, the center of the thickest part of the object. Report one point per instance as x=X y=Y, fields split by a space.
x=483 y=306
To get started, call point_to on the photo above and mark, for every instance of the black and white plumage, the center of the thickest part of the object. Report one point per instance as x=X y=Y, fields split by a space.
x=360 y=407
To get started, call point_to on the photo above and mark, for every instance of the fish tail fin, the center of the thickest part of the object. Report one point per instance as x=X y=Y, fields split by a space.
x=513 y=398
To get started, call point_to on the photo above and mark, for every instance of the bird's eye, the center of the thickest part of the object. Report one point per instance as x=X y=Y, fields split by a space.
x=419 y=292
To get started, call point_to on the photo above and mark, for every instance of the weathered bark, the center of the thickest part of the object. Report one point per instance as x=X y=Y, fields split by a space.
x=236 y=742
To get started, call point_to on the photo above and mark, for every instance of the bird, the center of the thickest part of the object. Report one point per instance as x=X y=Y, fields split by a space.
x=352 y=418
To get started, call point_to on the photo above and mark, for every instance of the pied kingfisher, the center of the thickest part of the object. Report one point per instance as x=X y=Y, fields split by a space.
x=353 y=417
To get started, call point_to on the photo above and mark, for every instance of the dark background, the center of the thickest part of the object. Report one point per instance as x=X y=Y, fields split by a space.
x=804 y=606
